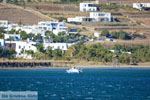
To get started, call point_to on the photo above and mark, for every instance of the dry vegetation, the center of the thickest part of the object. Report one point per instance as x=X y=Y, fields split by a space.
x=17 y=14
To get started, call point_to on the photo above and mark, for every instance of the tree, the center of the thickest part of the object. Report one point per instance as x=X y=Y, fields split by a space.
x=57 y=54
x=104 y=32
x=29 y=52
x=23 y=35
x=7 y=53
x=121 y=35
x=1 y=35
x=38 y=38
x=2 y=30
x=40 y=48
x=39 y=55
x=70 y=52
x=12 y=31
x=49 y=52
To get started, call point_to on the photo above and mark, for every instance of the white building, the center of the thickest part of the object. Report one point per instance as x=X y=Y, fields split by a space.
x=15 y=37
x=7 y=26
x=11 y=26
x=88 y=7
x=94 y=17
x=61 y=27
x=20 y=47
x=4 y=23
x=53 y=26
x=80 y=19
x=141 y=6
x=61 y=46
x=41 y=28
x=27 y=28
x=77 y=19
x=101 y=16
x=1 y=42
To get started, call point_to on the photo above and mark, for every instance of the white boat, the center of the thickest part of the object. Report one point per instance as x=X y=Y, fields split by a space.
x=73 y=70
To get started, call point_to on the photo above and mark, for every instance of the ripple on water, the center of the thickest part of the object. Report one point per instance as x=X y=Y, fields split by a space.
x=38 y=82
x=78 y=95
x=103 y=92
x=53 y=95
x=148 y=97
x=89 y=98
x=109 y=86
x=63 y=98
x=89 y=93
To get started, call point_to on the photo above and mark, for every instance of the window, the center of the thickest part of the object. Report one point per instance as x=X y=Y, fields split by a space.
x=19 y=47
x=101 y=14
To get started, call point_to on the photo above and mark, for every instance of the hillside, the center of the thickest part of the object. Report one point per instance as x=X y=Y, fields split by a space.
x=73 y=1
x=17 y=14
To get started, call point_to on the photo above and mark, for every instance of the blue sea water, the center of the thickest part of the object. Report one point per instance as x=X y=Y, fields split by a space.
x=91 y=84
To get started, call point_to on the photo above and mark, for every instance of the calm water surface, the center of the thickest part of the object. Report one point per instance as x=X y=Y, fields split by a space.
x=92 y=84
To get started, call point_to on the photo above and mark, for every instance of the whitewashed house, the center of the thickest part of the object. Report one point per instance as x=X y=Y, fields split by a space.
x=61 y=46
x=53 y=26
x=27 y=28
x=61 y=27
x=1 y=42
x=101 y=16
x=4 y=23
x=77 y=19
x=141 y=6
x=7 y=26
x=45 y=25
x=14 y=37
x=94 y=17
x=11 y=26
x=88 y=7
x=80 y=19
x=20 y=47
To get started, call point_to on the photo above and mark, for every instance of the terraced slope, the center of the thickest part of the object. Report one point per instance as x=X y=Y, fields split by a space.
x=17 y=14
x=124 y=1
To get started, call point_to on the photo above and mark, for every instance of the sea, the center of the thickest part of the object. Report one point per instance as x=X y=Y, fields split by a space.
x=90 y=84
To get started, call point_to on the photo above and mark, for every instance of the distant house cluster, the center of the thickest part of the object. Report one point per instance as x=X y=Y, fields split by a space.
x=15 y=42
x=41 y=27
x=95 y=15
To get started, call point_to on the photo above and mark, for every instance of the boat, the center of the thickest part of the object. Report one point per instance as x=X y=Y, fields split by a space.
x=73 y=70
